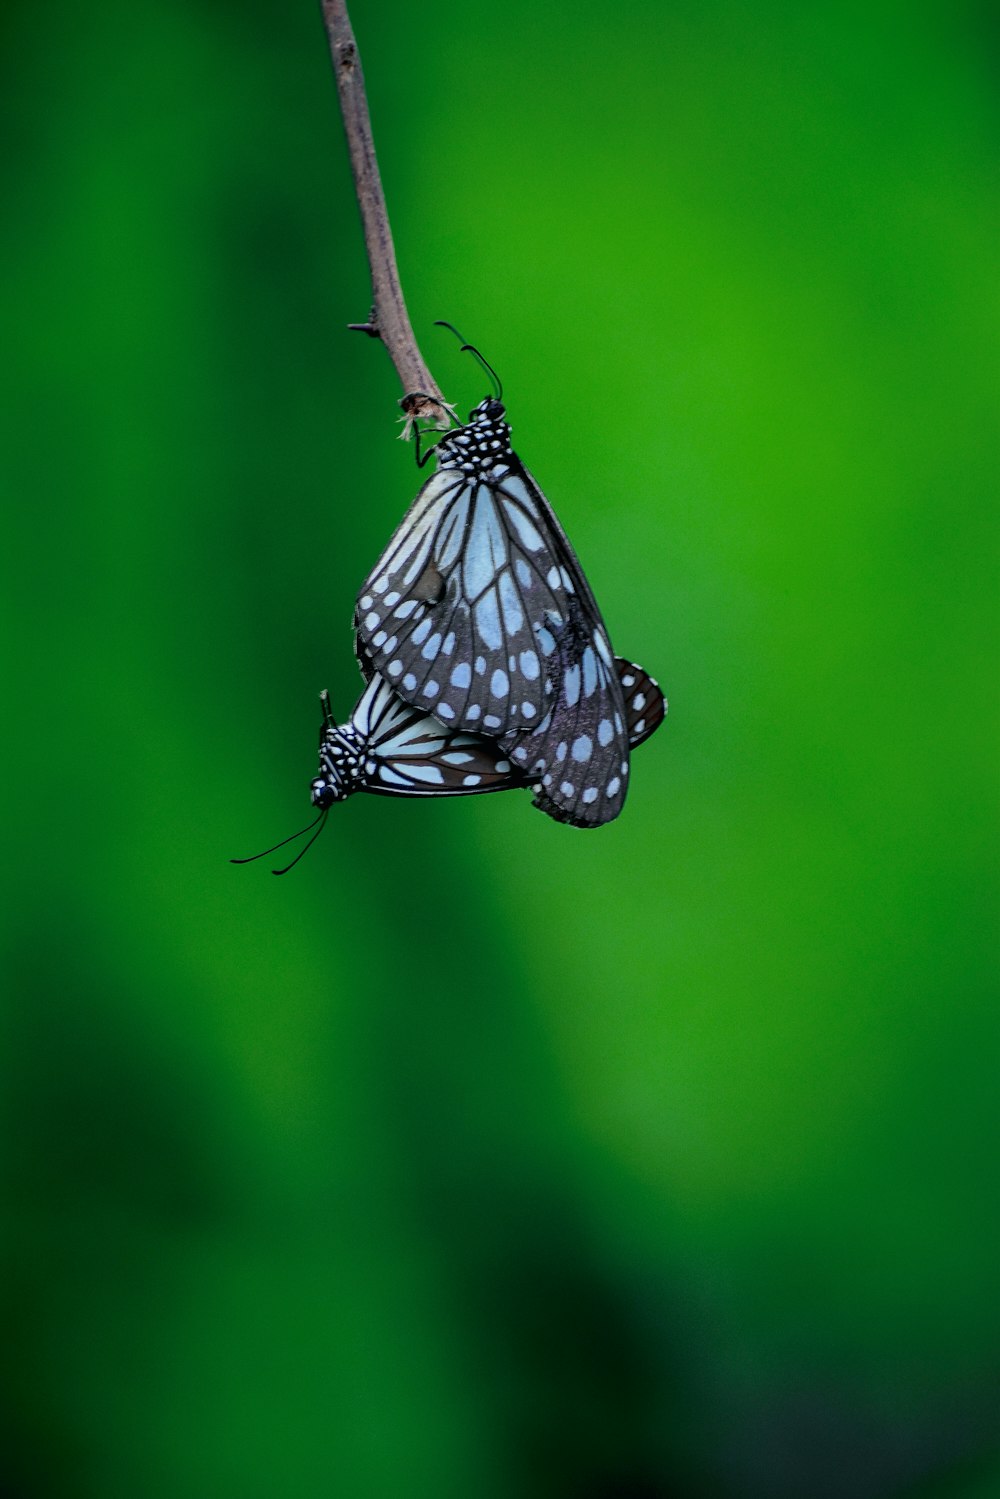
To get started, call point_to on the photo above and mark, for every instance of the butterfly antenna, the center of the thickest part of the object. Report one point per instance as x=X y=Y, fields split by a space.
x=290 y=839
x=471 y=349
x=306 y=847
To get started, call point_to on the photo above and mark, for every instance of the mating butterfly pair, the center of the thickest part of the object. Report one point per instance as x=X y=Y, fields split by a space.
x=487 y=662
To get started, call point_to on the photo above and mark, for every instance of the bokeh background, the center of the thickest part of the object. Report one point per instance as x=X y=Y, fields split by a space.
x=481 y=1156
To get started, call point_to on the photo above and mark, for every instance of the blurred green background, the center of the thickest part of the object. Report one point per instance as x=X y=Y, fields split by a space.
x=481 y=1156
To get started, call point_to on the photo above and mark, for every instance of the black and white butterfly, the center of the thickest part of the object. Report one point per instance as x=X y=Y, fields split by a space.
x=479 y=611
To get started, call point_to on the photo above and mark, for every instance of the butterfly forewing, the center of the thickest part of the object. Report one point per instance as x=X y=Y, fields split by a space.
x=579 y=756
x=450 y=614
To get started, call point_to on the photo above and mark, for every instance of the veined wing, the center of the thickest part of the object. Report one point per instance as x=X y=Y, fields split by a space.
x=645 y=705
x=579 y=755
x=450 y=614
x=580 y=761
x=407 y=752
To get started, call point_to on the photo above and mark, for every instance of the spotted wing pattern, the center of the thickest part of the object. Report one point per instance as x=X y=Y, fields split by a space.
x=450 y=613
x=645 y=705
x=406 y=752
x=580 y=759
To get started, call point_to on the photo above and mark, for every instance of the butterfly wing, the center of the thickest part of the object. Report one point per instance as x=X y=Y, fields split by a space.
x=450 y=613
x=407 y=752
x=645 y=705
x=581 y=757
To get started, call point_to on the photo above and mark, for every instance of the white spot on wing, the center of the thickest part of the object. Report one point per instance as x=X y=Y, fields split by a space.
x=582 y=748
x=488 y=620
x=428 y=773
x=462 y=675
x=499 y=683
x=526 y=533
x=513 y=615
x=589 y=672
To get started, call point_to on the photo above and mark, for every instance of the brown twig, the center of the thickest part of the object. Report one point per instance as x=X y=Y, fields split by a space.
x=388 y=320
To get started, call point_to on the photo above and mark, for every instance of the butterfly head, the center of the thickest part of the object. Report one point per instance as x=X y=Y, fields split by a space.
x=487 y=412
x=325 y=790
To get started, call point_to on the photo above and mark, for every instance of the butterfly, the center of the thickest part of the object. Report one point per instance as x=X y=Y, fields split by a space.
x=479 y=611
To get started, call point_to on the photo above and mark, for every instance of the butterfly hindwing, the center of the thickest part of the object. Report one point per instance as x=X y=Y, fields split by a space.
x=645 y=705
x=406 y=752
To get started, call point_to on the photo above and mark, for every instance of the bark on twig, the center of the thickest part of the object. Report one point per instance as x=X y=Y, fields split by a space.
x=388 y=320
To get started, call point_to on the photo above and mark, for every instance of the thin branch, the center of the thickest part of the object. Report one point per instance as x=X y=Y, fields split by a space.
x=389 y=319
